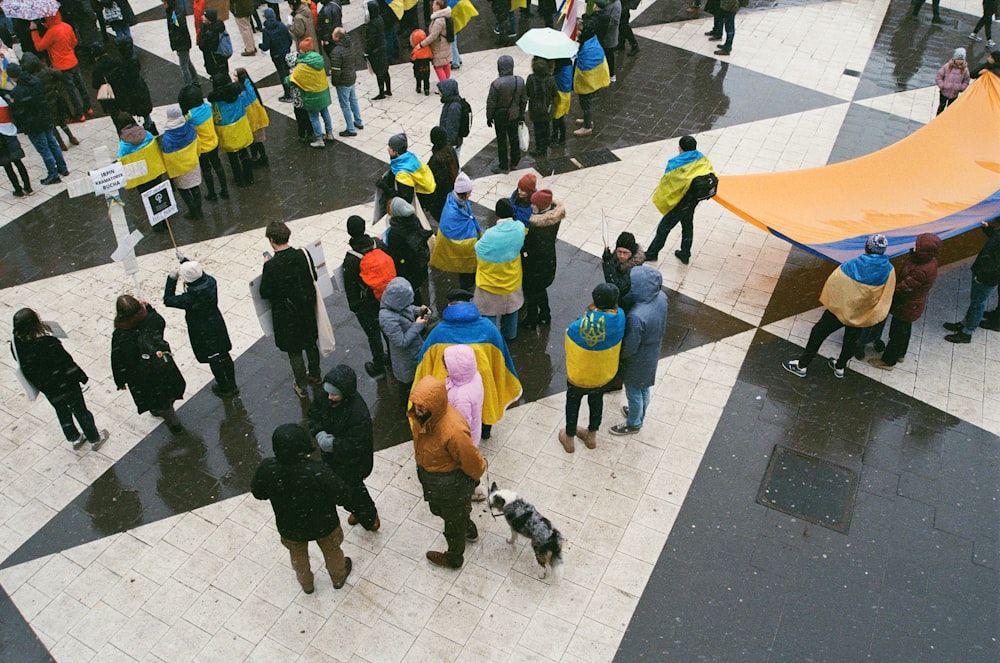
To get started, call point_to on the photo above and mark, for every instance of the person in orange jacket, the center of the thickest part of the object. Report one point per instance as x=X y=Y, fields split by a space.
x=59 y=41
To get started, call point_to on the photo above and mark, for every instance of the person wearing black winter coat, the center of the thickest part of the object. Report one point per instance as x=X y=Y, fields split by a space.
x=211 y=33
x=360 y=298
x=142 y=363
x=342 y=425
x=407 y=242
x=206 y=326
x=304 y=494
x=375 y=51
x=451 y=113
x=52 y=371
x=444 y=166
x=277 y=41
x=180 y=39
x=985 y=279
x=33 y=117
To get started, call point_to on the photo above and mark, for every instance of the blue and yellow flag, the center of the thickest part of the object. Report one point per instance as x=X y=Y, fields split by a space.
x=461 y=324
x=677 y=178
x=564 y=85
x=593 y=345
x=498 y=258
x=458 y=232
x=591 y=71
x=148 y=150
x=180 y=150
x=413 y=172
x=462 y=11
x=859 y=292
x=201 y=119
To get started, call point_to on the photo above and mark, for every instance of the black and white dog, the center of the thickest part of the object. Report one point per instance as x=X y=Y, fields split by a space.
x=525 y=520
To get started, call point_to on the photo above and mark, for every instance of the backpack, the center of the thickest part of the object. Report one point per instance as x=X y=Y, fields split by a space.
x=465 y=118
x=449 y=29
x=150 y=364
x=225 y=47
x=705 y=186
x=377 y=269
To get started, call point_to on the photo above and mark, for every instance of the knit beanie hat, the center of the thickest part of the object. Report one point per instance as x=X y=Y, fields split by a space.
x=541 y=199
x=877 y=244
x=463 y=183
x=306 y=45
x=626 y=241
x=439 y=138
x=398 y=143
x=268 y=13
x=190 y=271
x=959 y=54
x=605 y=296
x=504 y=209
x=175 y=118
x=400 y=207
x=211 y=14
x=527 y=183
x=355 y=226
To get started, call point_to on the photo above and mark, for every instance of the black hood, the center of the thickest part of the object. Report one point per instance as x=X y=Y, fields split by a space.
x=343 y=378
x=505 y=65
x=291 y=443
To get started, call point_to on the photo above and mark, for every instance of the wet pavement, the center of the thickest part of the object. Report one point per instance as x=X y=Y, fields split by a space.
x=755 y=517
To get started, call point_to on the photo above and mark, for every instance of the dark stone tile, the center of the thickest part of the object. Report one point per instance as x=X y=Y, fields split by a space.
x=918 y=488
x=858 y=136
x=17 y=641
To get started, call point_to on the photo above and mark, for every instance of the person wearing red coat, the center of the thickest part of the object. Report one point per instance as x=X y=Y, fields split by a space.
x=913 y=284
x=59 y=41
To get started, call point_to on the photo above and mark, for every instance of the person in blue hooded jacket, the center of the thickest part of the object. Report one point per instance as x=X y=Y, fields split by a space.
x=277 y=41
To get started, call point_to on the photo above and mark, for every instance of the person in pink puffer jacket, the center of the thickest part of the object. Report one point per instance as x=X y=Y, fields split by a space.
x=465 y=393
x=952 y=78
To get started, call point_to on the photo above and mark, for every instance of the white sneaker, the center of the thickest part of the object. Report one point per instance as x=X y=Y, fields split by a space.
x=318 y=143
x=974 y=37
x=837 y=372
x=614 y=79
x=990 y=43
x=794 y=368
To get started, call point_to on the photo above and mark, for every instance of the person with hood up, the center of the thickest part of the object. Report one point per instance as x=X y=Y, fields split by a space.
x=179 y=146
x=206 y=326
x=520 y=198
x=304 y=494
x=857 y=295
x=458 y=232
x=499 y=295
x=256 y=116
x=401 y=323
x=137 y=99
x=55 y=94
x=342 y=425
x=33 y=117
x=214 y=43
x=198 y=113
x=52 y=371
x=593 y=346
x=985 y=279
x=444 y=165
x=303 y=27
x=276 y=40
x=421 y=57
x=505 y=106
x=542 y=93
x=407 y=175
x=538 y=257
x=913 y=285
x=462 y=324
x=137 y=144
x=59 y=42
x=343 y=78
x=618 y=266
x=451 y=113
x=406 y=240
x=141 y=361
x=229 y=108
x=375 y=51
x=952 y=79
x=449 y=466
x=466 y=394
x=11 y=154
x=361 y=298
x=180 y=39
x=437 y=39
x=645 y=325
x=310 y=77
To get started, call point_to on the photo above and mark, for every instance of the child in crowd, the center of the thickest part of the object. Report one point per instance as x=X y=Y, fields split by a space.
x=421 y=58
x=465 y=393
x=402 y=323
x=302 y=123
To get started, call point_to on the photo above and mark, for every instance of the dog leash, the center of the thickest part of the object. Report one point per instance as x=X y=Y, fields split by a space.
x=489 y=502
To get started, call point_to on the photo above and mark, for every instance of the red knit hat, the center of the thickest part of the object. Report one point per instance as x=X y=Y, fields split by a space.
x=541 y=199
x=527 y=183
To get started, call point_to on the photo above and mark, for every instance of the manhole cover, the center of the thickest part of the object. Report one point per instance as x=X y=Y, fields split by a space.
x=577 y=161
x=809 y=488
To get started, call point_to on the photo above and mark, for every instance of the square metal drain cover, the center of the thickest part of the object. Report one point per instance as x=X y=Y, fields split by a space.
x=577 y=161
x=809 y=488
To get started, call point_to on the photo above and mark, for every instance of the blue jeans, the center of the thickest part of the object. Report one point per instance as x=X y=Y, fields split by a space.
x=729 y=22
x=314 y=120
x=348 y=99
x=48 y=148
x=506 y=323
x=977 y=304
x=456 y=59
x=638 y=401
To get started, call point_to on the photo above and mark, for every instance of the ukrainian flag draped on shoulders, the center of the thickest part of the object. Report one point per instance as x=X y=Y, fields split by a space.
x=200 y=118
x=593 y=346
x=256 y=113
x=412 y=172
x=498 y=268
x=564 y=85
x=591 y=71
x=180 y=150
x=859 y=292
x=458 y=232
x=133 y=147
x=309 y=76
x=400 y=6
x=677 y=176
x=462 y=324
x=462 y=11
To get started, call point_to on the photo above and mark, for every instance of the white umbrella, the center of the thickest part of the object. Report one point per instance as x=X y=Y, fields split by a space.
x=547 y=43
x=30 y=10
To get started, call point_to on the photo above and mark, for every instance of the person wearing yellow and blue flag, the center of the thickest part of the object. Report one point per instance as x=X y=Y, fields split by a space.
x=406 y=175
x=135 y=144
x=229 y=110
x=458 y=232
x=593 y=346
x=563 y=75
x=687 y=180
x=462 y=11
x=198 y=114
x=462 y=324
x=590 y=74
x=499 y=274
x=179 y=146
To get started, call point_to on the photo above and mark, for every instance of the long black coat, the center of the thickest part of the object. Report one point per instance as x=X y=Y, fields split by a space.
x=375 y=40
x=206 y=327
x=148 y=393
x=350 y=423
x=48 y=366
x=538 y=256
x=407 y=242
x=288 y=283
x=29 y=105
